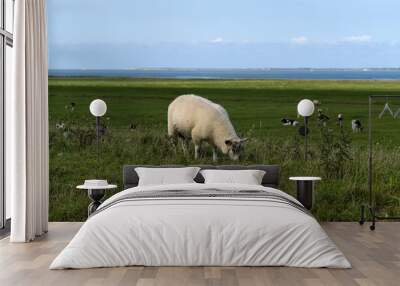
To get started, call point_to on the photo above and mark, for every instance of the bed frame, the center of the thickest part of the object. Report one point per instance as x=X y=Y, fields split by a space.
x=271 y=177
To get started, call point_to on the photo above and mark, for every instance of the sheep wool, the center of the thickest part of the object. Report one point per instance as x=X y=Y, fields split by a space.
x=195 y=117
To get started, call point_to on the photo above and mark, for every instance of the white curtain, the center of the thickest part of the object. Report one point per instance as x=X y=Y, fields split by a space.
x=27 y=124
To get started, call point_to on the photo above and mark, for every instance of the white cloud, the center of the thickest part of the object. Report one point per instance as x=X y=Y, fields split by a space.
x=357 y=39
x=301 y=40
x=217 y=40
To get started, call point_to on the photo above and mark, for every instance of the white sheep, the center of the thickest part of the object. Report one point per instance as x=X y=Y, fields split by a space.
x=191 y=116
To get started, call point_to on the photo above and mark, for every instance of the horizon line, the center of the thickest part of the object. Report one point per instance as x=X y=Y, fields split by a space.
x=236 y=68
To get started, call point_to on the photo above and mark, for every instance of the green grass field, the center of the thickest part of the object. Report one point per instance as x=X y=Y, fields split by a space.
x=255 y=107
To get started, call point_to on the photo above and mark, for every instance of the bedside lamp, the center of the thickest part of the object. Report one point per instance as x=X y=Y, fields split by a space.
x=98 y=108
x=305 y=108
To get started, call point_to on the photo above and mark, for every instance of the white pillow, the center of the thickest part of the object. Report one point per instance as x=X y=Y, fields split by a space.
x=166 y=176
x=248 y=177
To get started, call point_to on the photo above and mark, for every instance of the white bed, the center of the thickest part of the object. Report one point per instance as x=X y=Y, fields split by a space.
x=203 y=231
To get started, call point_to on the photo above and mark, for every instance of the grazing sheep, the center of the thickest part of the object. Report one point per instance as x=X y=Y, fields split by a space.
x=356 y=125
x=191 y=116
x=289 y=122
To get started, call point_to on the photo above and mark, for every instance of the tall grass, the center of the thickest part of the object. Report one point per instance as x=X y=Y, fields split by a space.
x=259 y=103
x=342 y=165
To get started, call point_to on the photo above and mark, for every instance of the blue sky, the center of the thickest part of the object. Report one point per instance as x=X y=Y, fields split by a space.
x=223 y=33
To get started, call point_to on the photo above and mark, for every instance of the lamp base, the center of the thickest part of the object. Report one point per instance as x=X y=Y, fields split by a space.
x=95 y=196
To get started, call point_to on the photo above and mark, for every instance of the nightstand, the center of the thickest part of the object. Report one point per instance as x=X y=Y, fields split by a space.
x=305 y=190
x=96 y=190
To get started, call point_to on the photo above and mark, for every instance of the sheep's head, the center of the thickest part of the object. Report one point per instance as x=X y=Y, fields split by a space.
x=235 y=147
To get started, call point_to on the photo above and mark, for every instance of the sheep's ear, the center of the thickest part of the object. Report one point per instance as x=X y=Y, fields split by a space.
x=228 y=142
x=244 y=140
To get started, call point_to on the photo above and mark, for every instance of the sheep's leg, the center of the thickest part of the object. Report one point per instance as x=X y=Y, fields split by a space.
x=172 y=134
x=184 y=146
x=197 y=143
x=215 y=155
x=197 y=147
x=196 y=151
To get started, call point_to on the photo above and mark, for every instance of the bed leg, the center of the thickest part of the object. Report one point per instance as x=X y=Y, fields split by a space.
x=362 y=217
x=372 y=226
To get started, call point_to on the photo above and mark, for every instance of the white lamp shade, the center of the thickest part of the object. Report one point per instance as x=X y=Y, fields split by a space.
x=305 y=108
x=98 y=107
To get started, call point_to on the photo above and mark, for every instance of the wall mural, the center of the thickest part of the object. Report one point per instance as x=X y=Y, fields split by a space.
x=219 y=82
x=151 y=121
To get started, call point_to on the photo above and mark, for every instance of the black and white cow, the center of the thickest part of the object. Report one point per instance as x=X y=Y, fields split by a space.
x=356 y=125
x=289 y=122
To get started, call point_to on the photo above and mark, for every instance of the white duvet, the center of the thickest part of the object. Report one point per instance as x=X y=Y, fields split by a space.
x=200 y=231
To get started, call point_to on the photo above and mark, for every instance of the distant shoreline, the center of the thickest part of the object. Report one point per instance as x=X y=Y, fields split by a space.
x=234 y=74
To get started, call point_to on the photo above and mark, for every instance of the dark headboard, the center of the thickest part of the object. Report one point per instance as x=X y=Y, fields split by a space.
x=271 y=177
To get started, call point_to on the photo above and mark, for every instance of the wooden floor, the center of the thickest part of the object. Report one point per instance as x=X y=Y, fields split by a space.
x=375 y=257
